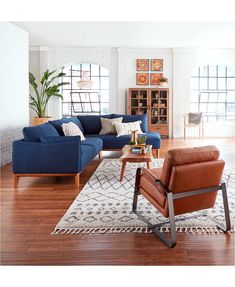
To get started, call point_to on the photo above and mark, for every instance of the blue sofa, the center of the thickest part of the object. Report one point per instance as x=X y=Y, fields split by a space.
x=45 y=151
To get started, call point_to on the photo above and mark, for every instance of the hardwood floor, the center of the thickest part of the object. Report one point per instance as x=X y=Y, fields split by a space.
x=29 y=215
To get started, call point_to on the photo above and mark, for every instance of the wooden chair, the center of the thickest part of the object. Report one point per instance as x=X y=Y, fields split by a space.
x=200 y=126
x=188 y=181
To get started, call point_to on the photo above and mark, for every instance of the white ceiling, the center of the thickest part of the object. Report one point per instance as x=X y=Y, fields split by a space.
x=130 y=34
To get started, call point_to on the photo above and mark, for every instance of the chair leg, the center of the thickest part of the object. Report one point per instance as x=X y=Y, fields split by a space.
x=77 y=179
x=100 y=156
x=16 y=181
x=172 y=241
x=227 y=225
x=136 y=191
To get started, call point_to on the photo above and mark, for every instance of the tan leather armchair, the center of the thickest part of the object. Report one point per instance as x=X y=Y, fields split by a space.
x=188 y=181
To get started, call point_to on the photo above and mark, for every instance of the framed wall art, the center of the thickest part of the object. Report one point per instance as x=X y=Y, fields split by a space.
x=142 y=79
x=142 y=65
x=154 y=78
x=156 y=64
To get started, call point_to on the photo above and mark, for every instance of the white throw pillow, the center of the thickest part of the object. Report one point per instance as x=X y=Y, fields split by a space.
x=71 y=129
x=126 y=128
x=108 y=125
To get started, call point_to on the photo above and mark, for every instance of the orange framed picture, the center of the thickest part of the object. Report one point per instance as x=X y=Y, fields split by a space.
x=142 y=79
x=142 y=65
x=154 y=78
x=157 y=65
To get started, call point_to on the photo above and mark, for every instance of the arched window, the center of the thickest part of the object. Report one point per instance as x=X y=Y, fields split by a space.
x=87 y=91
x=213 y=92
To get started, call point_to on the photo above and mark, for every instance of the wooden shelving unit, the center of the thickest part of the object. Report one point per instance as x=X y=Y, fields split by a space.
x=155 y=103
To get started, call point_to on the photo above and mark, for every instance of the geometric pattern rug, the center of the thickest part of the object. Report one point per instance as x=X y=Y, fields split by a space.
x=105 y=205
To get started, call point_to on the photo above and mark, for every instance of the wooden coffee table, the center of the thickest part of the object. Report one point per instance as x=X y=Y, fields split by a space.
x=128 y=156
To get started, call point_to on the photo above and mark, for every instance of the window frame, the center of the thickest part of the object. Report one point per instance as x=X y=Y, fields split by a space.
x=219 y=91
x=75 y=78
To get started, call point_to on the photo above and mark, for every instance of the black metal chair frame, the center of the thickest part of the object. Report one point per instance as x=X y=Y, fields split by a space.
x=171 y=242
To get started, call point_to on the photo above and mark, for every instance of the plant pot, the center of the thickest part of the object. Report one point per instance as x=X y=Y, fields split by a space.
x=164 y=84
x=39 y=121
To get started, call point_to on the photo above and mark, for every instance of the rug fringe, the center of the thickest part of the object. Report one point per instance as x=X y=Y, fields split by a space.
x=113 y=230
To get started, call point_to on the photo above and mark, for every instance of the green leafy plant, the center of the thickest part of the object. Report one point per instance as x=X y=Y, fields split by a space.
x=46 y=89
x=163 y=80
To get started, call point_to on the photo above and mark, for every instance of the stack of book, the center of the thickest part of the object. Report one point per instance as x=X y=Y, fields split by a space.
x=137 y=149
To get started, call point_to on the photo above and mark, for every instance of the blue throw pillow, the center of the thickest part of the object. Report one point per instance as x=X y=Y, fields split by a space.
x=33 y=134
x=58 y=123
x=92 y=123
x=60 y=139
x=134 y=118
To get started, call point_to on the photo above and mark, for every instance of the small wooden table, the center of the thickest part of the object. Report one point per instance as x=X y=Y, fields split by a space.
x=128 y=156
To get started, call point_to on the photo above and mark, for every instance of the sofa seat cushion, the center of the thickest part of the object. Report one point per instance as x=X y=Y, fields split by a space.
x=88 y=152
x=92 y=123
x=95 y=142
x=114 y=142
x=134 y=118
x=33 y=134
x=58 y=124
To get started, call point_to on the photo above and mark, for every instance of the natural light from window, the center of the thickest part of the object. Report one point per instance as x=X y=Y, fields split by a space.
x=213 y=92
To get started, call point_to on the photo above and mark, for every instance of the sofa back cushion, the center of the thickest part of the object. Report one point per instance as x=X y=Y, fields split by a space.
x=58 y=124
x=33 y=134
x=134 y=118
x=92 y=123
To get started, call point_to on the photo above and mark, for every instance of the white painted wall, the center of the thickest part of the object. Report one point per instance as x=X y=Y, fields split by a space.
x=184 y=60
x=14 y=87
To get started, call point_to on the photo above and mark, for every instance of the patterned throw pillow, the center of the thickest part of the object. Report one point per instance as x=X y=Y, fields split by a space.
x=108 y=125
x=127 y=128
x=71 y=129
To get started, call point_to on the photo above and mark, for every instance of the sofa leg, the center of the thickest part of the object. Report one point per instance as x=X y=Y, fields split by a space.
x=77 y=179
x=16 y=181
x=158 y=153
x=100 y=156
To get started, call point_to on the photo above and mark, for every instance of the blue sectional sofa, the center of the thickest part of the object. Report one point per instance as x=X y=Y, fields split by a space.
x=45 y=151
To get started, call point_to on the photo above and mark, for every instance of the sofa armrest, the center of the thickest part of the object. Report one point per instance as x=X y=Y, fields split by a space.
x=35 y=157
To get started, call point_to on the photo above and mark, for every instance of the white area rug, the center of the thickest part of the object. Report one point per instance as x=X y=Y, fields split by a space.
x=105 y=205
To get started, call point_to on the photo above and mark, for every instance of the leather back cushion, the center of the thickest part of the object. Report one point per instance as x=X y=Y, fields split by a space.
x=92 y=123
x=58 y=124
x=134 y=118
x=177 y=157
x=33 y=134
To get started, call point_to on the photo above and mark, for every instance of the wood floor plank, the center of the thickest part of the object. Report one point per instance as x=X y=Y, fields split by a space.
x=29 y=215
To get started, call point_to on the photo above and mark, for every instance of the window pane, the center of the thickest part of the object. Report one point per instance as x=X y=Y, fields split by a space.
x=66 y=96
x=230 y=72
x=221 y=83
x=85 y=67
x=203 y=108
x=104 y=83
x=104 y=109
x=220 y=109
x=231 y=109
x=212 y=71
x=204 y=97
x=95 y=81
x=221 y=97
x=104 y=96
x=204 y=71
x=95 y=70
x=231 y=97
x=213 y=97
x=203 y=83
x=211 y=108
x=231 y=84
x=76 y=71
x=212 y=84
x=194 y=83
x=221 y=71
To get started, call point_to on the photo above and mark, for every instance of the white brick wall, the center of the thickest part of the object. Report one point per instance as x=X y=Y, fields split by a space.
x=13 y=86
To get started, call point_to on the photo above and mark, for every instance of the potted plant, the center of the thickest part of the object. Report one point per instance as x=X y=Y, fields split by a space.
x=163 y=82
x=46 y=89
